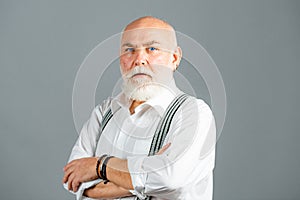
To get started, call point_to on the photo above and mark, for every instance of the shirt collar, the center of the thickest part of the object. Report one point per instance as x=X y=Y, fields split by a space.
x=159 y=102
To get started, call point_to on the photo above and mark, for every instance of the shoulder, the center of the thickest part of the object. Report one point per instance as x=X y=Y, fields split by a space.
x=195 y=108
x=197 y=105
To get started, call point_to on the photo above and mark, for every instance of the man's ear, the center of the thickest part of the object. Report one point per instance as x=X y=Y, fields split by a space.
x=177 y=57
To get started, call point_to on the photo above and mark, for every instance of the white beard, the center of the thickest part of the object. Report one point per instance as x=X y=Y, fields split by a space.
x=141 y=88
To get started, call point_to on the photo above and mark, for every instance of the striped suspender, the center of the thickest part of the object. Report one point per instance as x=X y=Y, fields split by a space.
x=162 y=128
x=165 y=123
x=107 y=116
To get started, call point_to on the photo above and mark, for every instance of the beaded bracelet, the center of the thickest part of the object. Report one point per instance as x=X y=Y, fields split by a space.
x=98 y=164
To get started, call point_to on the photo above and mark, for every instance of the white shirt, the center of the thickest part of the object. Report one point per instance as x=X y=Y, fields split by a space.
x=183 y=171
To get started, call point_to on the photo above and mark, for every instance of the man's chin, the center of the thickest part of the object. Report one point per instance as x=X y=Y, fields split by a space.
x=142 y=93
x=139 y=80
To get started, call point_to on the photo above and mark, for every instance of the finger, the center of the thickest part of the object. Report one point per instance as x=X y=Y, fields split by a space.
x=67 y=174
x=70 y=164
x=70 y=181
x=163 y=149
x=65 y=178
x=75 y=185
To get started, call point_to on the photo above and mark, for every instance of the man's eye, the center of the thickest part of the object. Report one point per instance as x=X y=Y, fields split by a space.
x=152 y=48
x=129 y=49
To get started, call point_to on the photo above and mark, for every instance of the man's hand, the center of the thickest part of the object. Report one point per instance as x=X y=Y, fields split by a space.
x=84 y=169
x=111 y=190
x=78 y=171
x=107 y=191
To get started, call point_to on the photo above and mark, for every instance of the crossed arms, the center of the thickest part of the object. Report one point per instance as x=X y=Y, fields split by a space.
x=82 y=170
x=182 y=159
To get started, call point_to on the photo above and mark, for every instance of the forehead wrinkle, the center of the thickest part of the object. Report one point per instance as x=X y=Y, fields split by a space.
x=128 y=44
x=151 y=43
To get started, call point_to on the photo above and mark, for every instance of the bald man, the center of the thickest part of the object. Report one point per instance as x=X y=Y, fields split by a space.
x=152 y=141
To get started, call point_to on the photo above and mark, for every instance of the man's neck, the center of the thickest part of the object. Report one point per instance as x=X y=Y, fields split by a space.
x=134 y=104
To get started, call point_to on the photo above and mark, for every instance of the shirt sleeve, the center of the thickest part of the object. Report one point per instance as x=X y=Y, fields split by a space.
x=83 y=186
x=189 y=159
x=86 y=144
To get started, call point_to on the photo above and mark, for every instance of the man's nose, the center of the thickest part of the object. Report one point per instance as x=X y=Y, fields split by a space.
x=141 y=58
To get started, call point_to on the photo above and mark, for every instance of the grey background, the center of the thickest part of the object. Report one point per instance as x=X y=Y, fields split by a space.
x=254 y=43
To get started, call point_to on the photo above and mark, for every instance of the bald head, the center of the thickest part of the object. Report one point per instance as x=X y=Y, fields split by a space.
x=148 y=22
x=146 y=25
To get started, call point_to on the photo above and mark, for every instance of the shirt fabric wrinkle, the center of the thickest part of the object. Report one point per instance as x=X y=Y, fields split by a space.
x=129 y=137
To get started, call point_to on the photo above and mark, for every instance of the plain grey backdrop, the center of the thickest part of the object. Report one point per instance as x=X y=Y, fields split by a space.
x=255 y=44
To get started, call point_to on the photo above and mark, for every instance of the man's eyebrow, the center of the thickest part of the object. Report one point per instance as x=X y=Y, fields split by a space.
x=151 y=43
x=128 y=44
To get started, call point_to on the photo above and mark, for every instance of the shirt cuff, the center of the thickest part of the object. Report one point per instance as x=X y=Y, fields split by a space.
x=138 y=176
x=83 y=186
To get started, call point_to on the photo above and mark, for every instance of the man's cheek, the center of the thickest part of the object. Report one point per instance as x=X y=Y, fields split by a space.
x=161 y=60
x=124 y=67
